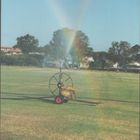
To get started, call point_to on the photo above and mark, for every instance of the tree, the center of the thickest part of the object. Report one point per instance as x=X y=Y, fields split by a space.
x=134 y=53
x=68 y=42
x=80 y=47
x=135 y=49
x=59 y=45
x=27 y=43
x=100 y=59
x=119 y=52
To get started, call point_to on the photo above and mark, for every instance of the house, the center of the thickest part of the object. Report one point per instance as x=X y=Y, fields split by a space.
x=84 y=64
x=36 y=53
x=11 y=51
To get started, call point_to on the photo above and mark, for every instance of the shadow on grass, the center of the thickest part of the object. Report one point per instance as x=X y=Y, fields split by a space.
x=23 y=94
x=47 y=99
x=50 y=99
x=44 y=99
x=113 y=100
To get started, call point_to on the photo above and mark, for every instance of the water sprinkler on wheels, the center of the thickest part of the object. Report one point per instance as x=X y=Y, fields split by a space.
x=61 y=86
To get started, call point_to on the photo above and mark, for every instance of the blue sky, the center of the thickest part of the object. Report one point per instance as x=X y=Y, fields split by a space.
x=103 y=21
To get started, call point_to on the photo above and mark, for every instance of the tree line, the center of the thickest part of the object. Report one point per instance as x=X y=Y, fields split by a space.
x=68 y=43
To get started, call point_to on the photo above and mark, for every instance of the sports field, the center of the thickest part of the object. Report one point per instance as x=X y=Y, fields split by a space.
x=26 y=113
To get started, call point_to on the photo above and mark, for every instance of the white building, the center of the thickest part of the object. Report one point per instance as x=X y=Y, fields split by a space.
x=11 y=51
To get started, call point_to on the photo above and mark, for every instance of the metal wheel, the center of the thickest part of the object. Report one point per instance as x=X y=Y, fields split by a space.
x=59 y=80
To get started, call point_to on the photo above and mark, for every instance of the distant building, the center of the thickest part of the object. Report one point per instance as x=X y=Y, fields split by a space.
x=11 y=51
x=134 y=64
x=36 y=53
x=86 y=62
x=116 y=65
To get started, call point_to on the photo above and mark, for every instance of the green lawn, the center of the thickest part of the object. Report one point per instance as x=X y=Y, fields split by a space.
x=27 y=115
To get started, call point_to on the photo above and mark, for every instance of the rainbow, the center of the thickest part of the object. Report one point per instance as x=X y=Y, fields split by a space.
x=64 y=21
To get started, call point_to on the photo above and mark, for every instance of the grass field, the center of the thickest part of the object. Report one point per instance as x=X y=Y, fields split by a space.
x=27 y=115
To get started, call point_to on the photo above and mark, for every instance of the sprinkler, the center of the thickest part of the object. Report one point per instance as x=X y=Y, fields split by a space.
x=61 y=86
